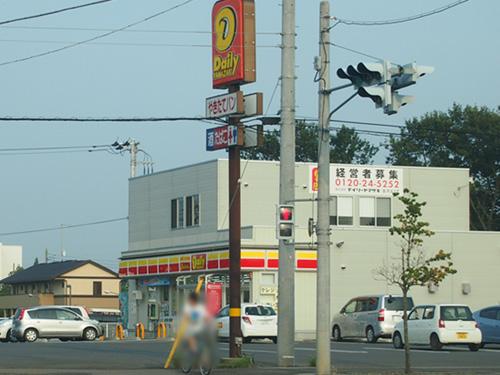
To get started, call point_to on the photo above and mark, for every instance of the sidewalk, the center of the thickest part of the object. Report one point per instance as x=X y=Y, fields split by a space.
x=251 y=371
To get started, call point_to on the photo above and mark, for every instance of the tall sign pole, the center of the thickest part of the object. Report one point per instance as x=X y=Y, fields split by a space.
x=286 y=271
x=323 y=365
x=233 y=64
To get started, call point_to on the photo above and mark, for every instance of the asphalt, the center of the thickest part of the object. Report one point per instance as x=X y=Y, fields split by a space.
x=148 y=356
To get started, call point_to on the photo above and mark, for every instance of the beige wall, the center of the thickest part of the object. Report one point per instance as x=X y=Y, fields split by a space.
x=476 y=256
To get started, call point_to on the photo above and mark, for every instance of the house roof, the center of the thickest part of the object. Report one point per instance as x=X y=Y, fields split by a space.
x=49 y=271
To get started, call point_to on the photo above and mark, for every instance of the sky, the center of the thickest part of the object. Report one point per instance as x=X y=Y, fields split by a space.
x=127 y=76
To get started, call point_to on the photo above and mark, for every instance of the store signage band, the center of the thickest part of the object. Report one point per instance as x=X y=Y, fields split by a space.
x=211 y=261
x=233 y=43
x=360 y=180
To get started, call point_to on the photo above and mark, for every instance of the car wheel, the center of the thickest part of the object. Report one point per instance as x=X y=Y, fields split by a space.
x=275 y=339
x=63 y=339
x=397 y=341
x=89 y=334
x=370 y=335
x=336 y=334
x=482 y=345
x=7 y=337
x=474 y=347
x=435 y=342
x=30 y=335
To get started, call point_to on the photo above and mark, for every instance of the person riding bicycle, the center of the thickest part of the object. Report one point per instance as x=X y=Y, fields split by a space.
x=198 y=320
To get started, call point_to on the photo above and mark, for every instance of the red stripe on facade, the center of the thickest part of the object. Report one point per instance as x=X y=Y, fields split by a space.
x=143 y=270
x=213 y=264
x=174 y=268
x=252 y=263
x=224 y=263
x=153 y=269
x=132 y=270
x=272 y=263
x=163 y=268
x=309 y=264
x=123 y=271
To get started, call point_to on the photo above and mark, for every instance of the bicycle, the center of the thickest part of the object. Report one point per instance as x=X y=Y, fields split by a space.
x=203 y=357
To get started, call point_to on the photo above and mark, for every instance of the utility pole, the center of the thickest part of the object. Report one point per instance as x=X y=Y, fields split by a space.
x=235 y=336
x=323 y=365
x=286 y=270
x=133 y=158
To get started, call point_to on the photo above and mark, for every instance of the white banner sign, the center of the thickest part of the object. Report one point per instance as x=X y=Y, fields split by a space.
x=360 y=180
x=224 y=105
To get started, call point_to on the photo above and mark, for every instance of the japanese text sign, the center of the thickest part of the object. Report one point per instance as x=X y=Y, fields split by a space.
x=360 y=180
x=224 y=105
x=222 y=137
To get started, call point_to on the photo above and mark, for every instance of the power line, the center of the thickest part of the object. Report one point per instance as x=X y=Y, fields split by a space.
x=100 y=36
x=356 y=52
x=54 y=12
x=49 y=152
x=59 y=227
x=38 y=41
x=51 y=148
x=400 y=20
x=166 y=31
x=103 y=119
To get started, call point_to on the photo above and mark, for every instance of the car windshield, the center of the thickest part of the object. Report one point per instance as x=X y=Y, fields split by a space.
x=453 y=313
x=260 y=311
x=396 y=303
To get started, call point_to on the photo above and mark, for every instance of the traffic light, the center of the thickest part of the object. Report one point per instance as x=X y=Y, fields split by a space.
x=380 y=82
x=285 y=222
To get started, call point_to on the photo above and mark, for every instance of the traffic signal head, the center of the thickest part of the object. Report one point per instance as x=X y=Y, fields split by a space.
x=397 y=102
x=375 y=93
x=366 y=74
x=285 y=222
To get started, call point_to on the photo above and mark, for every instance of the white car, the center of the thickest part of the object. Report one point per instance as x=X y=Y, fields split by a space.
x=257 y=322
x=438 y=325
x=5 y=330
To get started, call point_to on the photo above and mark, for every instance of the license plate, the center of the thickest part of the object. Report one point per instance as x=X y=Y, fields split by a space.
x=462 y=335
x=396 y=318
x=219 y=325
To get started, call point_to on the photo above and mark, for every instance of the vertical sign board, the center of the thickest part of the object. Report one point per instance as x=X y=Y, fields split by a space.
x=233 y=43
x=213 y=297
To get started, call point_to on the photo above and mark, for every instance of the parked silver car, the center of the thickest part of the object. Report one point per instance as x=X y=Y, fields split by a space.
x=5 y=329
x=371 y=317
x=53 y=322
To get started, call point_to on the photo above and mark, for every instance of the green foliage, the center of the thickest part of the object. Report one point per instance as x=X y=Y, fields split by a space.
x=413 y=267
x=465 y=137
x=345 y=146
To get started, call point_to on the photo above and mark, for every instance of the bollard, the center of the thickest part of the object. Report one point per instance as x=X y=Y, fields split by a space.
x=119 y=334
x=161 y=331
x=139 y=331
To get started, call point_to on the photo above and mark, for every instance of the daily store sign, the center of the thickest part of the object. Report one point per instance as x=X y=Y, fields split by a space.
x=360 y=180
x=233 y=43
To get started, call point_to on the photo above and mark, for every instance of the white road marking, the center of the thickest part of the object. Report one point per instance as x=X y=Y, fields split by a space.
x=303 y=349
x=413 y=350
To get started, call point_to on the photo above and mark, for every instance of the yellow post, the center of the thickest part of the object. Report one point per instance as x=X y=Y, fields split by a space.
x=119 y=334
x=182 y=328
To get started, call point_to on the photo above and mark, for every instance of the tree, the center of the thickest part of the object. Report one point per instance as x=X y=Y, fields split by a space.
x=4 y=289
x=465 y=137
x=346 y=146
x=413 y=267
